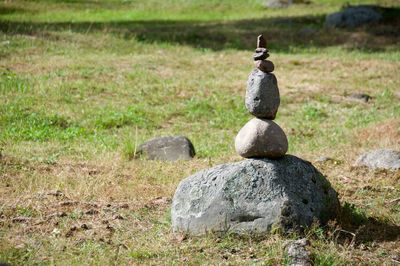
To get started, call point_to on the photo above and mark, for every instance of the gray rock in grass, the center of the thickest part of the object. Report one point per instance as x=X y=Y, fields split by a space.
x=382 y=158
x=167 y=149
x=261 y=138
x=353 y=16
x=262 y=94
x=362 y=97
x=298 y=254
x=324 y=159
x=254 y=196
x=278 y=3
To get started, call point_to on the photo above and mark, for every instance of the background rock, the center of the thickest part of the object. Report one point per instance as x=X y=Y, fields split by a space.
x=261 y=138
x=278 y=3
x=397 y=94
x=362 y=97
x=353 y=16
x=167 y=149
x=262 y=94
x=324 y=159
x=382 y=158
x=253 y=195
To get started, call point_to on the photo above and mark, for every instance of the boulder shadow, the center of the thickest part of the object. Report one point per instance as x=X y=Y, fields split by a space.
x=358 y=228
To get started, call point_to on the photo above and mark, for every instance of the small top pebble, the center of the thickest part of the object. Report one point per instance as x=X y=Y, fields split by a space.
x=261 y=42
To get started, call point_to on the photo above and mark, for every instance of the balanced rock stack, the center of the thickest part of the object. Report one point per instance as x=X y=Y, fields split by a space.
x=269 y=190
x=261 y=137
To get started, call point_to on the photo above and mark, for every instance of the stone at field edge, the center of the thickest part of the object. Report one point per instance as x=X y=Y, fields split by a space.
x=170 y=148
x=382 y=158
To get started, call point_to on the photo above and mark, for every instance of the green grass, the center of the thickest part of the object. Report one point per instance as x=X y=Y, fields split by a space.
x=83 y=83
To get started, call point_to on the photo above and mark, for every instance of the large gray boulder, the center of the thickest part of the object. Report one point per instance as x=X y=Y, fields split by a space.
x=254 y=195
x=382 y=158
x=262 y=94
x=170 y=148
x=261 y=138
x=353 y=16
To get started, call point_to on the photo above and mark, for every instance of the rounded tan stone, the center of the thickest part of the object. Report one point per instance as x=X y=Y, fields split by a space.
x=261 y=138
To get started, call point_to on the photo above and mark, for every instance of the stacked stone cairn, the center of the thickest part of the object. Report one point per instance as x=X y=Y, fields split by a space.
x=261 y=137
x=266 y=191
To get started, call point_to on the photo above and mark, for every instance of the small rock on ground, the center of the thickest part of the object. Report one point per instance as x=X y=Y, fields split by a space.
x=278 y=3
x=167 y=149
x=397 y=94
x=323 y=159
x=298 y=254
x=363 y=97
x=382 y=158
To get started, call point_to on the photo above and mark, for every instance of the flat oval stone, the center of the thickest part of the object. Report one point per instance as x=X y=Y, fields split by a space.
x=261 y=50
x=265 y=66
x=261 y=138
x=262 y=94
x=261 y=55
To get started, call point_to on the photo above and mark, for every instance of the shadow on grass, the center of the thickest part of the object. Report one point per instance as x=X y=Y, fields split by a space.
x=359 y=228
x=283 y=33
x=352 y=227
x=11 y=10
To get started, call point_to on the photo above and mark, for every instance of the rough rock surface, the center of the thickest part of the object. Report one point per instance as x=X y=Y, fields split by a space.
x=262 y=94
x=278 y=3
x=382 y=158
x=298 y=254
x=261 y=138
x=253 y=195
x=167 y=149
x=353 y=16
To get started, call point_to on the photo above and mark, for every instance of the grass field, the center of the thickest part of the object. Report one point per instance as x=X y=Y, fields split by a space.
x=82 y=83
